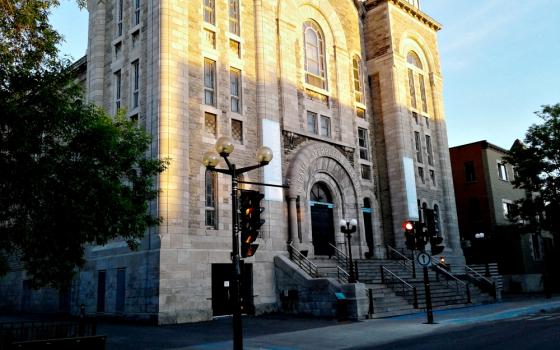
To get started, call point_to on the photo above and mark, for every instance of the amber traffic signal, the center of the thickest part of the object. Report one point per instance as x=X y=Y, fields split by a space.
x=250 y=210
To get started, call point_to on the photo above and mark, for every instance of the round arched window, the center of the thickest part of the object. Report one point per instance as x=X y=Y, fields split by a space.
x=320 y=193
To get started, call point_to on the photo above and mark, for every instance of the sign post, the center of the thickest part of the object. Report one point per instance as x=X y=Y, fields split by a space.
x=425 y=260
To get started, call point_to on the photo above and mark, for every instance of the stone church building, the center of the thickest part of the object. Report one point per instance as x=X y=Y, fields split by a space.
x=347 y=94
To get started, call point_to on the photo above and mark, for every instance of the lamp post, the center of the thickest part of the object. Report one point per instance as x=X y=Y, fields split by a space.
x=483 y=249
x=224 y=147
x=349 y=227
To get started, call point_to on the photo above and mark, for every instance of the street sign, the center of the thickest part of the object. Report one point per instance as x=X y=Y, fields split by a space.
x=424 y=259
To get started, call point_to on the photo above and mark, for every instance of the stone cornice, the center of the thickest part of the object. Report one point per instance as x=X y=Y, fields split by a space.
x=408 y=8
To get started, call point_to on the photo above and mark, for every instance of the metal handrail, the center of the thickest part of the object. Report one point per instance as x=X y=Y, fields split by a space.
x=342 y=275
x=341 y=258
x=469 y=269
x=478 y=277
x=398 y=253
x=402 y=282
x=458 y=283
x=404 y=261
x=302 y=261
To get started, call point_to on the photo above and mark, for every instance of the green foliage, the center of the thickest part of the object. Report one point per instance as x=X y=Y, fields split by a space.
x=70 y=174
x=537 y=164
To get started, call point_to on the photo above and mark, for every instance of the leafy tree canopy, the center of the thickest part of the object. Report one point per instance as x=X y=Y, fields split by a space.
x=70 y=175
x=537 y=164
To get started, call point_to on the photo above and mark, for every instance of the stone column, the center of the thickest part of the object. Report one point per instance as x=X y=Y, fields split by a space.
x=96 y=52
x=293 y=218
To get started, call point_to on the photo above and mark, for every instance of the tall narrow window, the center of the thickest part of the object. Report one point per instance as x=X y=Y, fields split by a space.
x=418 y=146
x=234 y=17
x=357 y=77
x=118 y=84
x=101 y=281
x=312 y=122
x=209 y=82
x=502 y=171
x=120 y=4
x=366 y=171
x=429 y=150
x=210 y=198
x=325 y=126
x=210 y=124
x=421 y=174
x=411 y=88
x=314 y=50
x=414 y=64
x=235 y=89
x=363 y=143
x=135 y=83
x=210 y=11
x=136 y=12
x=237 y=130
x=423 y=93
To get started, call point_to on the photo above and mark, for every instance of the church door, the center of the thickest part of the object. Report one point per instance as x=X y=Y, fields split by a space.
x=322 y=220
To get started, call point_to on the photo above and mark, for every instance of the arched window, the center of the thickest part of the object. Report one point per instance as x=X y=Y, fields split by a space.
x=210 y=184
x=416 y=74
x=357 y=78
x=314 y=50
x=320 y=193
x=436 y=219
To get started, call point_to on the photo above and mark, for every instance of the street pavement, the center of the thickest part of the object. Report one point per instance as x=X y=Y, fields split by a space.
x=281 y=332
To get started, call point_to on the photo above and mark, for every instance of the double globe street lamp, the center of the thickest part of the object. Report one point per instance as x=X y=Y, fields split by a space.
x=348 y=227
x=224 y=147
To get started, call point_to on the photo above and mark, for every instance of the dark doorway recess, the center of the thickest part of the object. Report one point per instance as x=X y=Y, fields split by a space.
x=322 y=225
x=221 y=289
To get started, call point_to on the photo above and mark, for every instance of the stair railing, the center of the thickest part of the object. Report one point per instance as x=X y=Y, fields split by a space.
x=451 y=278
x=301 y=260
x=484 y=283
x=341 y=275
x=341 y=258
x=402 y=259
x=398 y=285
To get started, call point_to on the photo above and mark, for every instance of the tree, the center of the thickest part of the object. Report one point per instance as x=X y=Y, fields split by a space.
x=537 y=165
x=70 y=175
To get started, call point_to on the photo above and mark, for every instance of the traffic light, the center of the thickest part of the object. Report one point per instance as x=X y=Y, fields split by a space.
x=250 y=208
x=421 y=235
x=435 y=242
x=409 y=234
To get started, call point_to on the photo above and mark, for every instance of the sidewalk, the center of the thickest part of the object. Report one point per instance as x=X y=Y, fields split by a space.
x=279 y=332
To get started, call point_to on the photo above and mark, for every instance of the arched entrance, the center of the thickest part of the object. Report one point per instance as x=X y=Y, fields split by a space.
x=322 y=225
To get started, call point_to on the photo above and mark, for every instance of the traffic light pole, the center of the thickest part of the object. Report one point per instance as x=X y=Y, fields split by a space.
x=236 y=263
x=235 y=256
x=429 y=311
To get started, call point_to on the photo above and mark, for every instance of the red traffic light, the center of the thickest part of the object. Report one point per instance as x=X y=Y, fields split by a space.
x=408 y=225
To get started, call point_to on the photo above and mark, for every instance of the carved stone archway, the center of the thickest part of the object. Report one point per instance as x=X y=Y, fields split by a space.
x=319 y=162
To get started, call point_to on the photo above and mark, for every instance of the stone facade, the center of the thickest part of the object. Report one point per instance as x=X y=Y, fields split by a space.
x=330 y=76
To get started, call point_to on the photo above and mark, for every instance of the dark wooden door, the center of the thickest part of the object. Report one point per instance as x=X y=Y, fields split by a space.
x=322 y=229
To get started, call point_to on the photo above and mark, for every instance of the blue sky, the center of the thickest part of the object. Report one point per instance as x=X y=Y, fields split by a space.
x=500 y=61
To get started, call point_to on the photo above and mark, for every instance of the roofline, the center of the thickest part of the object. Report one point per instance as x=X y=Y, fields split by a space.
x=412 y=10
x=484 y=144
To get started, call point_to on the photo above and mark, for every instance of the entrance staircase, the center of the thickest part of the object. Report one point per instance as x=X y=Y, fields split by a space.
x=395 y=287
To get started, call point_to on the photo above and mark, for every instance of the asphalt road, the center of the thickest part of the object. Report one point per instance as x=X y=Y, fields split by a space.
x=537 y=331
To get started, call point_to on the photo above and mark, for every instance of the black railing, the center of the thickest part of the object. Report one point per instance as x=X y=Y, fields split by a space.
x=301 y=260
x=11 y=332
x=402 y=259
x=485 y=284
x=452 y=281
x=398 y=285
x=341 y=258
